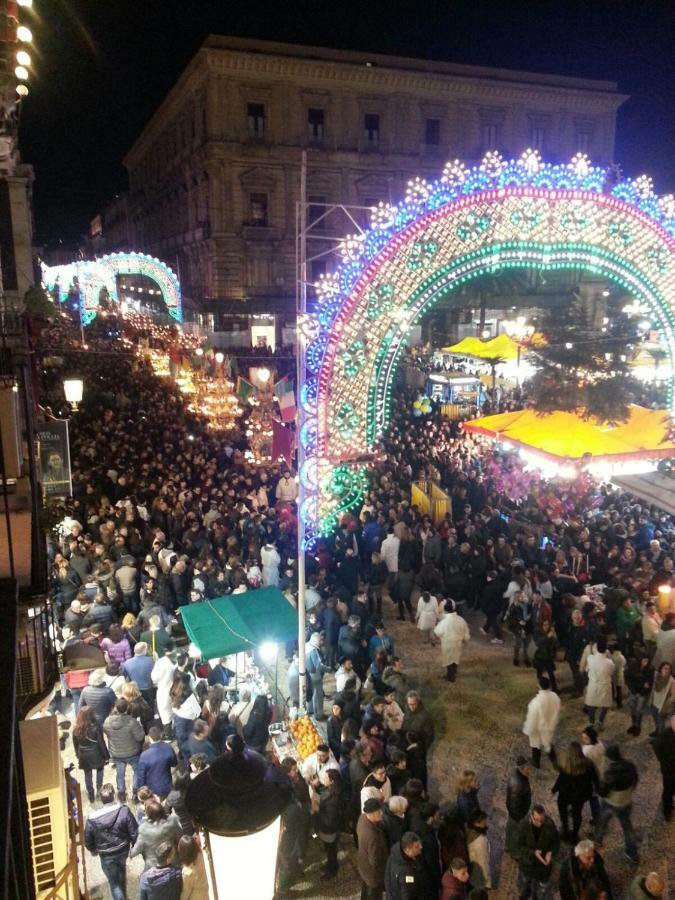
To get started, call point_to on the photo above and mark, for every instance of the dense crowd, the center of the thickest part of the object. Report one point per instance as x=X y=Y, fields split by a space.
x=165 y=513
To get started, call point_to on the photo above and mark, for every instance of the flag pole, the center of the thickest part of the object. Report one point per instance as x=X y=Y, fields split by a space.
x=300 y=313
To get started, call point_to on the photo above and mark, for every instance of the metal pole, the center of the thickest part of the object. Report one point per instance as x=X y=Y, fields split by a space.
x=300 y=313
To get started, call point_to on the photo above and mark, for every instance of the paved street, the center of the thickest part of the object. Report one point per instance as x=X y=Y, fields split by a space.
x=489 y=699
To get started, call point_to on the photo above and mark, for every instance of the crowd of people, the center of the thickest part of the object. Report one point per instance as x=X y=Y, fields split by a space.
x=165 y=513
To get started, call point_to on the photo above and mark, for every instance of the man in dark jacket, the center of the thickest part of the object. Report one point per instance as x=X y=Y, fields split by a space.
x=417 y=719
x=518 y=800
x=583 y=870
x=100 y=613
x=491 y=603
x=163 y=881
x=421 y=820
x=537 y=843
x=110 y=833
x=371 y=857
x=125 y=737
x=155 y=764
x=617 y=785
x=664 y=748
x=405 y=876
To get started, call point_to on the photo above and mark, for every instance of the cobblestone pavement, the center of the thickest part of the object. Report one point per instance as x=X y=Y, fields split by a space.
x=479 y=720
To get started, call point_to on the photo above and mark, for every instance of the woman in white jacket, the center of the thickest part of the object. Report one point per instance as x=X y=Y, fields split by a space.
x=454 y=633
x=601 y=671
x=427 y=616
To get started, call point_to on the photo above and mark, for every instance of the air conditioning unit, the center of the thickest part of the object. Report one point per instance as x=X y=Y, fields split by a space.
x=47 y=809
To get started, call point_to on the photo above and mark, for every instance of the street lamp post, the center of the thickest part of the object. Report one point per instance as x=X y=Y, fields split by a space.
x=521 y=333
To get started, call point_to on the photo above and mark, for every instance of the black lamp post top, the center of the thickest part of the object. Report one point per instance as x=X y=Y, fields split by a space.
x=240 y=793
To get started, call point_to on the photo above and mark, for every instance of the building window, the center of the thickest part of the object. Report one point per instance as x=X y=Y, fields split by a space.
x=583 y=141
x=315 y=123
x=432 y=132
x=316 y=212
x=258 y=204
x=489 y=136
x=537 y=138
x=371 y=128
x=256 y=120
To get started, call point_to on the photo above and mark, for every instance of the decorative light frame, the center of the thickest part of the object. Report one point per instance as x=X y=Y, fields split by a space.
x=499 y=214
x=95 y=274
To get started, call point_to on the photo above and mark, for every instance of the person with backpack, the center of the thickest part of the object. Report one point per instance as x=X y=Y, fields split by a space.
x=109 y=833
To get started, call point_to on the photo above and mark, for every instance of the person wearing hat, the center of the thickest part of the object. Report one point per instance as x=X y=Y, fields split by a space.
x=454 y=633
x=518 y=799
x=98 y=696
x=371 y=857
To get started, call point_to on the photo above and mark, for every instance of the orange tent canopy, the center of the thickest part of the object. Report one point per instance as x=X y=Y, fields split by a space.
x=564 y=435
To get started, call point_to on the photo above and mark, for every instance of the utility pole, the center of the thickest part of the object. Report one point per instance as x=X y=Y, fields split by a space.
x=300 y=314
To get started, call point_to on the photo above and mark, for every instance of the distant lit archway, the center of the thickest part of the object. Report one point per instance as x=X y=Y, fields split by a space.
x=102 y=273
x=496 y=215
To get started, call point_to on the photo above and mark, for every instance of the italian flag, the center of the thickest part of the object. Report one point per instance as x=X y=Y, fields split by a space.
x=283 y=391
x=244 y=388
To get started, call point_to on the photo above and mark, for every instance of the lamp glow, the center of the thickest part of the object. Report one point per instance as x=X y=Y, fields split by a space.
x=199 y=351
x=73 y=388
x=22 y=90
x=264 y=375
x=268 y=652
x=219 y=357
x=21 y=73
x=23 y=58
x=24 y=34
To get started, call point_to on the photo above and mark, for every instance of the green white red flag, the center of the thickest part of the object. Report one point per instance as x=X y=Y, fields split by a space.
x=283 y=391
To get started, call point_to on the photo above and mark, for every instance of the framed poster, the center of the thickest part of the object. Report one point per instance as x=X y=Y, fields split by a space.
x=54 y=458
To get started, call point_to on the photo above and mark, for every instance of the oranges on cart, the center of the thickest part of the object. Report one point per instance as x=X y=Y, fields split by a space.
x=305 y=735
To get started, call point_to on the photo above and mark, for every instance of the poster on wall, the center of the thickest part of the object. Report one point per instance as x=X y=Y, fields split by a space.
x=54 y=458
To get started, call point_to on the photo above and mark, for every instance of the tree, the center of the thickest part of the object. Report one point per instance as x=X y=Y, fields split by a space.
x=583 y=367
x=37 y=303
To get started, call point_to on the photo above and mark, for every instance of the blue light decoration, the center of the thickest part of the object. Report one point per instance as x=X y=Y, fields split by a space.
x=95 y=274
x=351 y=386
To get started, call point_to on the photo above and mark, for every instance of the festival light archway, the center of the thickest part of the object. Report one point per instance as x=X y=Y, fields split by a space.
x=93 y=275
x=497 y=215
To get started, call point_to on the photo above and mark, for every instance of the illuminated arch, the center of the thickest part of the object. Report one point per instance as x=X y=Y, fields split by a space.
x=103 y=272
x=471 y=221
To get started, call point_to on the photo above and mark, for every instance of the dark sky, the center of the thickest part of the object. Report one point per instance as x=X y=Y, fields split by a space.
x=102 y=66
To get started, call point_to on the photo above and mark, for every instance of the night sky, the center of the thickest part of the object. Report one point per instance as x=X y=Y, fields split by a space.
x=102 y=67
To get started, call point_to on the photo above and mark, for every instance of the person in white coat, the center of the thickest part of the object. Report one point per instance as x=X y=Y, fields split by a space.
x=426 y=616
x=541 y=721
x=162 y=677
x=601 y=670
x=271 y=561
x=389 y=553
x=454 y=633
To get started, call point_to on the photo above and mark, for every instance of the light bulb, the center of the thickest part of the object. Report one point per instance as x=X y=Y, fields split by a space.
x=23 y=58
x=21 y=73
x=24 y=34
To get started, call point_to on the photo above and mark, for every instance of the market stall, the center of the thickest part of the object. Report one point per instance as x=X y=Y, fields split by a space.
x=247 y=630
x=563 y=442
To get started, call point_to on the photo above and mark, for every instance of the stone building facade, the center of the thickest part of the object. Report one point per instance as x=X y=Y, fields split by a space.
x=215 y=176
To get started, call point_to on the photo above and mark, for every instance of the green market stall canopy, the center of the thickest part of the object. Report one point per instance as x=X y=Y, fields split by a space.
x=240 y=622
